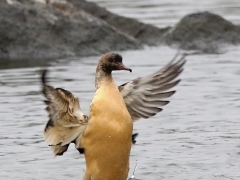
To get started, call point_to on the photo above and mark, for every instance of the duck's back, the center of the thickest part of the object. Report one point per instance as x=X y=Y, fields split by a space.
x=107 y=139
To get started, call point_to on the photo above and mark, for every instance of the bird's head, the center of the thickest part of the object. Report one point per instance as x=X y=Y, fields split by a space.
x=112 y=62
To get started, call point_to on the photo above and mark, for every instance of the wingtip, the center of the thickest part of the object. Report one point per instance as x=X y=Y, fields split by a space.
x=173 y=92
x=60 y=150
x=178 y=81
x=43 y=78
x=179 y=59
x=182 y=60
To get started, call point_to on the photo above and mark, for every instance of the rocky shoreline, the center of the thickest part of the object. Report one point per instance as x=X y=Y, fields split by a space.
x=37 y=31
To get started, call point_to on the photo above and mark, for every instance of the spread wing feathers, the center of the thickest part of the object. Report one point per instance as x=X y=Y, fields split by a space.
x=145 y=96
x=66 y=120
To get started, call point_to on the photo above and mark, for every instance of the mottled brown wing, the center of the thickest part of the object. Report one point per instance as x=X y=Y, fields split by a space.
x=66 y=120
x=145 y=96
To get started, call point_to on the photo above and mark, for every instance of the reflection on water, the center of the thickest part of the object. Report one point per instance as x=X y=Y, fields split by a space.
x=195 y=137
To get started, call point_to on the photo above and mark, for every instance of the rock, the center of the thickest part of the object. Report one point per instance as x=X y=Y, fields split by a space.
x=144 y=33
x=203 y=31
x=36 y=31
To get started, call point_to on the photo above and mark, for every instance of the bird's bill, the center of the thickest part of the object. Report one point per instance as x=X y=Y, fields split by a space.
x=121 y=66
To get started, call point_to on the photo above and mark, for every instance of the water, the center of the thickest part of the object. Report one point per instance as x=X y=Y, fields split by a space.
x=163 y=13
x=197 y=136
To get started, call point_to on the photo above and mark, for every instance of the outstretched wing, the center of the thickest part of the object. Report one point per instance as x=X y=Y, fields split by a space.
x=145 y=96
x=66 y=120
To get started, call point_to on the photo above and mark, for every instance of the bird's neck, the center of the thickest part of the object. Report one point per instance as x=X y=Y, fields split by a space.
x=102 y=78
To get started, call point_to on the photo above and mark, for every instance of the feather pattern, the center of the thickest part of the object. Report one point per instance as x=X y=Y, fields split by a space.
x=66 y=120
x=145 y=95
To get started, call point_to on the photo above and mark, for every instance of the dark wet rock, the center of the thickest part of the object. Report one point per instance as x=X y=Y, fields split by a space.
x=37 y=31
x=203 y=31
x=144 y=33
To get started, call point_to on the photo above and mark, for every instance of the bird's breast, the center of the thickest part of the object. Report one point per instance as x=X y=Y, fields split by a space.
x=108 y=117
x=109 y=105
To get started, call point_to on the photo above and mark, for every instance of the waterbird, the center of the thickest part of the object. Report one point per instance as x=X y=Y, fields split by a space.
x=105 y=136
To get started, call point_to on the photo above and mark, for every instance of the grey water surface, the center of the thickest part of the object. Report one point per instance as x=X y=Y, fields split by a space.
x=163 y=13
x=197 y=136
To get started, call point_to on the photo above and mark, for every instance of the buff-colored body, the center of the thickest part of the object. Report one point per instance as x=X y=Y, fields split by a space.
x=107 y=139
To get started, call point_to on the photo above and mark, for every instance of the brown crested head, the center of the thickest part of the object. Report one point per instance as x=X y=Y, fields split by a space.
x=111 y=62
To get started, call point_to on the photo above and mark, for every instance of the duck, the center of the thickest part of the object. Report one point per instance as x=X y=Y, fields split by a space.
x=105 y=137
